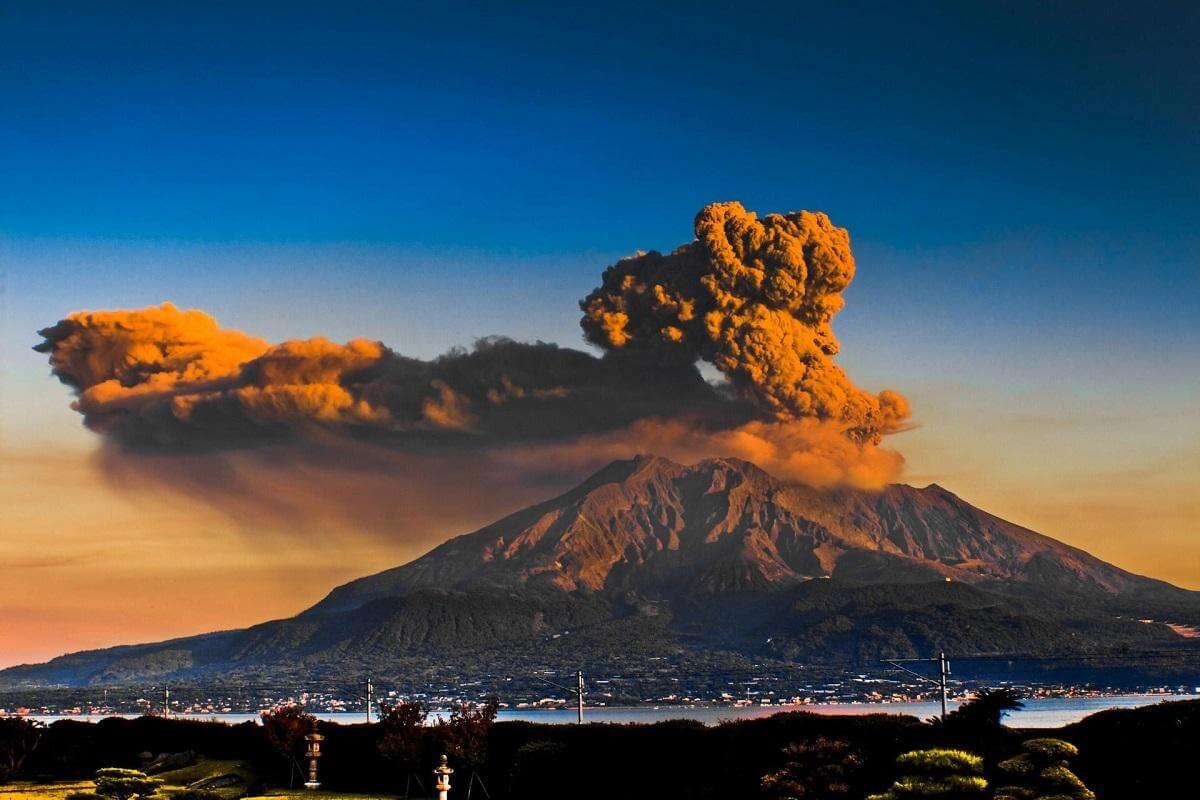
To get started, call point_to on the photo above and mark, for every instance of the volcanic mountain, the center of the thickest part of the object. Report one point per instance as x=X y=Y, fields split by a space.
x=718 y=560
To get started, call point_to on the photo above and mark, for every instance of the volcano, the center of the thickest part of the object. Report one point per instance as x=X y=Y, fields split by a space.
x=715 y=561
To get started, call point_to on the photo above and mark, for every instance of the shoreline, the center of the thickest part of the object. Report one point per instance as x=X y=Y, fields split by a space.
x=1039 y=712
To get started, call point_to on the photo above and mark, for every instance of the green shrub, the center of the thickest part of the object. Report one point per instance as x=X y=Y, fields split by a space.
x=123 y=784
x=1040 y=772
x=821 y=768
x=945 y=774
x=940 y=762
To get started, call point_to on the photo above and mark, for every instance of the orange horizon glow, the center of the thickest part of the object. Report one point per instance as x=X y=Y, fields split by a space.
x=115 y=566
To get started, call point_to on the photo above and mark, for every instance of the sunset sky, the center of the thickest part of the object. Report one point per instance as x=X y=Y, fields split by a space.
x=1019 y=184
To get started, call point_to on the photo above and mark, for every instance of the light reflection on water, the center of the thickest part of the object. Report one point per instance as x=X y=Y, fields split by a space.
x=1044 y=712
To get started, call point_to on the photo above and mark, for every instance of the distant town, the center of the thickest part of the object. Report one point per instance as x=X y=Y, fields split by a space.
x=549 y=689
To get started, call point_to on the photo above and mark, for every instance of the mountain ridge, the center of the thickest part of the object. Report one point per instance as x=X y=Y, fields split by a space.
x=716 y=560
x=903 y=522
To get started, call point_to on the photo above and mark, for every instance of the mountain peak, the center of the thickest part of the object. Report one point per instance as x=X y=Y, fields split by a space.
x=648 y=556
x=658 y=528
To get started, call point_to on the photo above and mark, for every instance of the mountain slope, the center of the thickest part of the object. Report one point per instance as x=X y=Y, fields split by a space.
x=663 y=529
x=717 y=560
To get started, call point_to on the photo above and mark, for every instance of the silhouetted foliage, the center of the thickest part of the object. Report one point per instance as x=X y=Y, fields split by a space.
x=1124 y=754
x=821 y=769
x=941 y=773
x=986 y=708
x=537 y=770
x=19 y=737
x=465 y=734
x=465 y=737
x=1040 y=772
x=403 y=740
x=285 y=728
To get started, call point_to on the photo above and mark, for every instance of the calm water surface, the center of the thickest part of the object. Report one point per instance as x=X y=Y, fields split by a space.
x=1050 y=712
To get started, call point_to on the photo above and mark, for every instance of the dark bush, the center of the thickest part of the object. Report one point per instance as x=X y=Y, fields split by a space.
x=123 y=784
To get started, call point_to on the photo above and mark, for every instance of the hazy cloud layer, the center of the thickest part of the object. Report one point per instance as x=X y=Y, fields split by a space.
x=164 y=377
x=176 y=396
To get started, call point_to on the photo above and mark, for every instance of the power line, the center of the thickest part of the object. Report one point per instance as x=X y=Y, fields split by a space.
x=943 y=673
x=1121 y=656
x=578 y=691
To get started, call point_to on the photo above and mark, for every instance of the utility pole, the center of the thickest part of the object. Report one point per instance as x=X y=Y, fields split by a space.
x=579 y=692
x=943 y=672
x=576 y=690
x=369 y=687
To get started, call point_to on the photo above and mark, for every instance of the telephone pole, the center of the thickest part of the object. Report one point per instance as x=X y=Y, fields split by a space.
x=579 y=698
x=576 y=690
x=943 y=673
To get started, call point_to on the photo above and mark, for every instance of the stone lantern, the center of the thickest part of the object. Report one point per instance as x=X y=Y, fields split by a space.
x=313 y=751
x=441 y=779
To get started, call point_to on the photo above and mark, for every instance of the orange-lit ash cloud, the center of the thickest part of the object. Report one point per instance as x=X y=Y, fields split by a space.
x=755 y=298
x=177 y=397
x=163 y=377
x=808 y=451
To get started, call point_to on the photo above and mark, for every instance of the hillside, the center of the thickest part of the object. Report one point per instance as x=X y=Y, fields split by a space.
x=717 y=560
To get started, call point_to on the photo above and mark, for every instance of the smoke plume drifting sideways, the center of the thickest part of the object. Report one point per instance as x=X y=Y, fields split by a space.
x=755 y=298
x=313 y=433
x=165 y=378
x=807 y=451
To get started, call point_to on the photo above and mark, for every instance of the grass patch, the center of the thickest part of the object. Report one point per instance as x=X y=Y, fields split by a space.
x=301 y=794
x=43 y=791
x=173 y=781
x=57 y=791
x=206 y=768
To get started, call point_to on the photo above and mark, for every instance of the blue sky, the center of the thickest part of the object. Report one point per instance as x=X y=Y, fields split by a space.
x=1019 y=180
x=1037 y=166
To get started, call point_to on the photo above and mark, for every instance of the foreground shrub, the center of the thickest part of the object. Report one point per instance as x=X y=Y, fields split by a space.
x=19 y=737
x=946 y=774
x=465 y=737
x=285 y=728
x=1040 y=772
x=540 y=769
x=820 y=768
x=402 y=739
x=123 y=784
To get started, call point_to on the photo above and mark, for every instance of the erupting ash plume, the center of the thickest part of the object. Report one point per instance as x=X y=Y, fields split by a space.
x=753 y=297
x=165 y=377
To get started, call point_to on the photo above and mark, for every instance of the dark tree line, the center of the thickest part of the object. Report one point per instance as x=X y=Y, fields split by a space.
x=1129 y=753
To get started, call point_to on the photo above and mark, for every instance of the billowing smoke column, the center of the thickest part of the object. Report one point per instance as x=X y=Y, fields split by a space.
x=755 y=298
x=215 y=413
